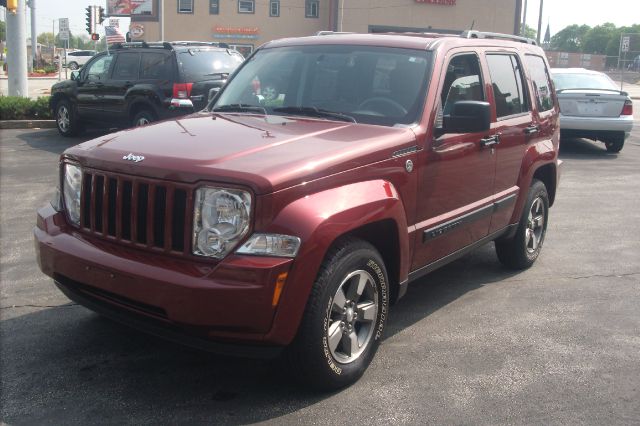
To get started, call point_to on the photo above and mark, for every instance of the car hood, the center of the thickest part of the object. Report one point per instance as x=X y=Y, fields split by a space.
x=266 y=153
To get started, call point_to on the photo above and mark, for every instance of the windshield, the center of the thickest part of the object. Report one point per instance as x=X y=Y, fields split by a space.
x=197 y=64
x=364 y=84
x=583 y=81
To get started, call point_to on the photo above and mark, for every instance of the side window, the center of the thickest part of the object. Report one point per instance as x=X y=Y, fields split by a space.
x=126 y=66
x=312 y=9
x=156 y=66
x=246 y=6
x=214 y=7
x=541 y=82
x=462 y=82
x=99 y=70
x=508 y=89
x=185 y=6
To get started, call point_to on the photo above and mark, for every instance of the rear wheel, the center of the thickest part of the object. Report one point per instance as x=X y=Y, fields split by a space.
x=66 y=120
x=344 y=318
x=614 y=144
x=522 y=250
x=142 y=118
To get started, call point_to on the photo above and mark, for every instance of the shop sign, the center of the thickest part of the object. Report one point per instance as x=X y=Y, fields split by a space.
x=441 y=2
x=136 y=30
x=246 y=33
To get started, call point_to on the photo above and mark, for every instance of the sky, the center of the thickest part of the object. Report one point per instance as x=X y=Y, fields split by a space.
x=559 y=13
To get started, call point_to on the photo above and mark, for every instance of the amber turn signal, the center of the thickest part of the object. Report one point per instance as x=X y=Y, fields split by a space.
x=278 y=289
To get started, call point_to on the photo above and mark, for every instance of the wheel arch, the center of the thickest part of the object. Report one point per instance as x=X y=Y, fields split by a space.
x=141 y=105
x=325 y=219
x=548 y=176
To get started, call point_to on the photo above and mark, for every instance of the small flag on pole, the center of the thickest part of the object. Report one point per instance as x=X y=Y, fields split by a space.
x=113 y=35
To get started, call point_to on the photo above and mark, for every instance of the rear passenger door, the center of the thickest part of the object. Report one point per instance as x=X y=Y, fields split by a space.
x=515 y=126
x=123 y=78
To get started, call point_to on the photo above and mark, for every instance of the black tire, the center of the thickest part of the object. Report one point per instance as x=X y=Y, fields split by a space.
x=614 y=144
x=67 y=121
x=313 y=358
x=142 y=118
x=73 y=66
x=522 y=250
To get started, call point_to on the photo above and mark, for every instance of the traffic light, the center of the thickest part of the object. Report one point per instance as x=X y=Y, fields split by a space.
x=100 y=15
x=12 y=6
x=95 y=37
x=91 y=24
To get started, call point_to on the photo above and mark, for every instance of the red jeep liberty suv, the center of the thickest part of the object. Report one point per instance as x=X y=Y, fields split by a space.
x=325 y=176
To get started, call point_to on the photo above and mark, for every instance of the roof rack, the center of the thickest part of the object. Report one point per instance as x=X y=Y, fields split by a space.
x=137 y=44
x=199 y=43
x=326 y=33
x=498 y=36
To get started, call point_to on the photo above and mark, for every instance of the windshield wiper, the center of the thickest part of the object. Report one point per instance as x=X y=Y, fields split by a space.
x=240 y=108
x=218 y=74
x=315 y=112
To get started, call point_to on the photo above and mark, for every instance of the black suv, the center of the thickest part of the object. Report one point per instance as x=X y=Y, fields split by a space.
x=136 y=83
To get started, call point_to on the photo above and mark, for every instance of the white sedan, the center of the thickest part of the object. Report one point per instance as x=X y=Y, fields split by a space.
x=593 y=107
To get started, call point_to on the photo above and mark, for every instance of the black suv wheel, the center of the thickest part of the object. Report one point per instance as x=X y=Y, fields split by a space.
x=66 y=120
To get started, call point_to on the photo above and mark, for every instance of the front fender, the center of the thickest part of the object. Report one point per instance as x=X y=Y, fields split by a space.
x=319 y=220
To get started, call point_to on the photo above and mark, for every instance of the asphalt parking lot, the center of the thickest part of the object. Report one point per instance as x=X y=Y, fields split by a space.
x=470 y=344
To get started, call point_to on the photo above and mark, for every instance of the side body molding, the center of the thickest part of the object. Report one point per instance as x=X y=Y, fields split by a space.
x=319 y=219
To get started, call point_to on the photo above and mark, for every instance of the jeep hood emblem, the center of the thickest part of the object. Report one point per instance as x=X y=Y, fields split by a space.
x=134 y=158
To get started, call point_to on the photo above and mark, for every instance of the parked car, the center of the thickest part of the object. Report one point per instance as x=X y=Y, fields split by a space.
x=79 y=58
x=291 y=222
x=593 y=107
x=136 y=83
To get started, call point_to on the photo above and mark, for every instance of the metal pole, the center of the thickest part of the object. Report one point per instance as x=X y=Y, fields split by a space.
x=17 y=52
x=161 y=20
x=540 y=22
x=66 y=77
x=619 y=55
x=34 y=37
x=524 y=20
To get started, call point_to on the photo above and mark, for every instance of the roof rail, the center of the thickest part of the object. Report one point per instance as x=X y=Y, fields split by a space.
x=498 y=36
x=199 y=43
x=135 y=44
x=325 y=33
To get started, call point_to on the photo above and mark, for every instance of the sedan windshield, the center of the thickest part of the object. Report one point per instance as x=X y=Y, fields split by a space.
x=583 y=81
x=364 y=84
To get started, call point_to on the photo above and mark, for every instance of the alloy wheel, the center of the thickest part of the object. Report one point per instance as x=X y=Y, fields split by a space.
x=535 y=225
x=63 y=119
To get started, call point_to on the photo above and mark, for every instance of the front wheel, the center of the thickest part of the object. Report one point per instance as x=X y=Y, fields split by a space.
x=344 y=318
x=522 y=250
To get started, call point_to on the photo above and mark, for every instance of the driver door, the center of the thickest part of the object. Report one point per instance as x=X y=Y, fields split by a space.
x=91 y=87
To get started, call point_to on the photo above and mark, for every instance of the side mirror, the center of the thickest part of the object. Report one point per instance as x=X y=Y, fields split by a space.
x=468 y=117
x=213 y=92
x=75 y=75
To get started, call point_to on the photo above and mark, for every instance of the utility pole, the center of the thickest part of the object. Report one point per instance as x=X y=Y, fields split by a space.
x=161 y=20
x=524 y=20
x=17 y=52
x=34 y=37
x=539 y=22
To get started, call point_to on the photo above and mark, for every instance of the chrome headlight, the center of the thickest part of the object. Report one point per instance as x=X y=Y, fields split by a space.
x=220 y=220
x=72 y=187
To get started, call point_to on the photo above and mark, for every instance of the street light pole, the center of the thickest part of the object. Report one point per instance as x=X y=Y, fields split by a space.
x=17 y=52
x=524 y=20
x=34 y=37
x=540 y=22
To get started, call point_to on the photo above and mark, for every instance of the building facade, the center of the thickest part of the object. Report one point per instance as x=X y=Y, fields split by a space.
x=577 y=60
x=246 y=24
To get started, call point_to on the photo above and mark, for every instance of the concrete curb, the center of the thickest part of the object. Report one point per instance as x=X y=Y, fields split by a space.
x=27 y=124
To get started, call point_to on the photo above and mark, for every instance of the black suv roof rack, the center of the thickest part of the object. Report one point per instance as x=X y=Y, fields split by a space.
x=498 y=36
x=138 y=44
x=199 y=43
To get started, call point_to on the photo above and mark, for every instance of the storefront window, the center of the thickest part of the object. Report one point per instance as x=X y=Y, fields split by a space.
x=214 y=7
x=185 y=6
x=246 y=6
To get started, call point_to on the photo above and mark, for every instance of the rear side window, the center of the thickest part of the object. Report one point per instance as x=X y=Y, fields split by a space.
x=508 y=88
x=541 y=82
x=127 y=66
x=156 y=66
x=198 y=64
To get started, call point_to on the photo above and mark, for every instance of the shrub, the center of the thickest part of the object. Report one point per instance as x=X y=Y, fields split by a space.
x=18 y=108
x=49 y=69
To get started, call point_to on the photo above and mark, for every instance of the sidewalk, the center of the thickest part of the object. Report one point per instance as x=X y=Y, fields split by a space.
x=632 y=89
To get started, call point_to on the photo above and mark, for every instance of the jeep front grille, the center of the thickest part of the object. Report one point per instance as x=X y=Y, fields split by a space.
x=137 y=211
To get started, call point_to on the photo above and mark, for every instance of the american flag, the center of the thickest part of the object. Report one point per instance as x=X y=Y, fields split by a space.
x=113 y=35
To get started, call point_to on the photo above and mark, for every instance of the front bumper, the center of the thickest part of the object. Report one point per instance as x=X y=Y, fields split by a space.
x=179 y=299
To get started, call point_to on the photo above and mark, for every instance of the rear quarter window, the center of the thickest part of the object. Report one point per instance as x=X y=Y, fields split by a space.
x=197 y=64
x=541 y=82
x=156 y=66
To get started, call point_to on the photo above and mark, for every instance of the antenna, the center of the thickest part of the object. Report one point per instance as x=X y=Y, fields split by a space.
x=473 y=23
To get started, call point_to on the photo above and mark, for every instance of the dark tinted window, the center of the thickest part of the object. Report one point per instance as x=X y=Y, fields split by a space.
x=508 y=89
x=156 y=66
x=127 y=66
x=541 y=82
x=197 y=64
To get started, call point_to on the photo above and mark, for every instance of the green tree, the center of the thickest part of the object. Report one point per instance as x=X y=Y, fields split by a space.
x=3 y=31
x=529 y=32
x=570 y=39
x=597 y=39
x=46 y=39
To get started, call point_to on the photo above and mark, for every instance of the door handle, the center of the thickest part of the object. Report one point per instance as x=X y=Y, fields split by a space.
x=490 y=141
x=128 y=84
x=531 y=130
